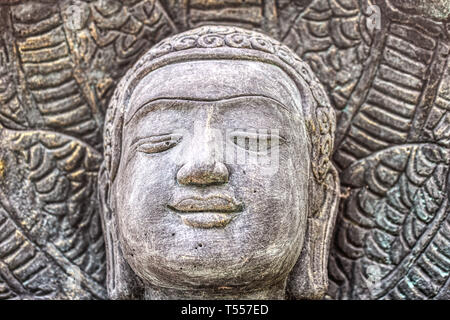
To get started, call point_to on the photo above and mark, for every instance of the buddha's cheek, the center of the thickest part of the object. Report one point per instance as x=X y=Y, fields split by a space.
x=142 y=189
x=275 y=209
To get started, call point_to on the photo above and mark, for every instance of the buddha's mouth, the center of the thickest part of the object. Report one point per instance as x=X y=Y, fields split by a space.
x=213 y=211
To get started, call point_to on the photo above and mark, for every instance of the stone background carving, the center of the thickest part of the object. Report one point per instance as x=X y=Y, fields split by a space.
x=385 y=65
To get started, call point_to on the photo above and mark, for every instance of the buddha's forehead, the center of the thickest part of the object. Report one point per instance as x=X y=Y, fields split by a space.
x=213 y=80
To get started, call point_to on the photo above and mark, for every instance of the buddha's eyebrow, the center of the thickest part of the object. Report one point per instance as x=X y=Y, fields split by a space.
x=156 y=103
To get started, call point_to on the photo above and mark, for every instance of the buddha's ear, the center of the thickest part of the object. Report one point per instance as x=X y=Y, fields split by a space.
x=121 y=282
x=309 y=277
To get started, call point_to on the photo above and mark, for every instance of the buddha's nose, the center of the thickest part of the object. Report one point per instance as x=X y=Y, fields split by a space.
x=203 y=169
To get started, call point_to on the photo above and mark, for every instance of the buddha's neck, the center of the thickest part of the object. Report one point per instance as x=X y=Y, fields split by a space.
x=274 y=292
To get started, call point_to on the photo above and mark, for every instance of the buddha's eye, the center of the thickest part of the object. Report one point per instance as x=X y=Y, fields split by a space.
x=158 y=143
x=256 y=141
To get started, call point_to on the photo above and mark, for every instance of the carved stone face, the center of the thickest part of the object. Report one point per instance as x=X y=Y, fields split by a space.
x=193 y=215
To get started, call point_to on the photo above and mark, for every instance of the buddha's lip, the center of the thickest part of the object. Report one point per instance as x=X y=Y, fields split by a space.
x=218 y=203
x=207 y=220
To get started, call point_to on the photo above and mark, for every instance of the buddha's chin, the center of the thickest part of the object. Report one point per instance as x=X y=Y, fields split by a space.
x=186 y=273
x=216 y=280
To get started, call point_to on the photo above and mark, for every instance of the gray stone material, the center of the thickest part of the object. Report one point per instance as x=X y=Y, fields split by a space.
x=183 y=215
x=383 y=66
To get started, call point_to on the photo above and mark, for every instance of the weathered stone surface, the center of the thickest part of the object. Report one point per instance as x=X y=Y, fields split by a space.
x=220 y=184
x=384 y=65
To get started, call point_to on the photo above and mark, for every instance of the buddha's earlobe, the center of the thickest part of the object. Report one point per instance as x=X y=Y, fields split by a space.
x=309 y=277
x=121 y=282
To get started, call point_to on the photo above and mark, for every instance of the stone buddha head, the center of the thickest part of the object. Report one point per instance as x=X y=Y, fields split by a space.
x=217 y=180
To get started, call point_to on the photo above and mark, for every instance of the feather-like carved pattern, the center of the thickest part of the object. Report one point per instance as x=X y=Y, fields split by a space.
x=403 y=251
x=332 y=36
x=5 y=291
x=56 y=76
x=114 y=37
x=389 y=86
x=49 y=194
x=25 y=269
